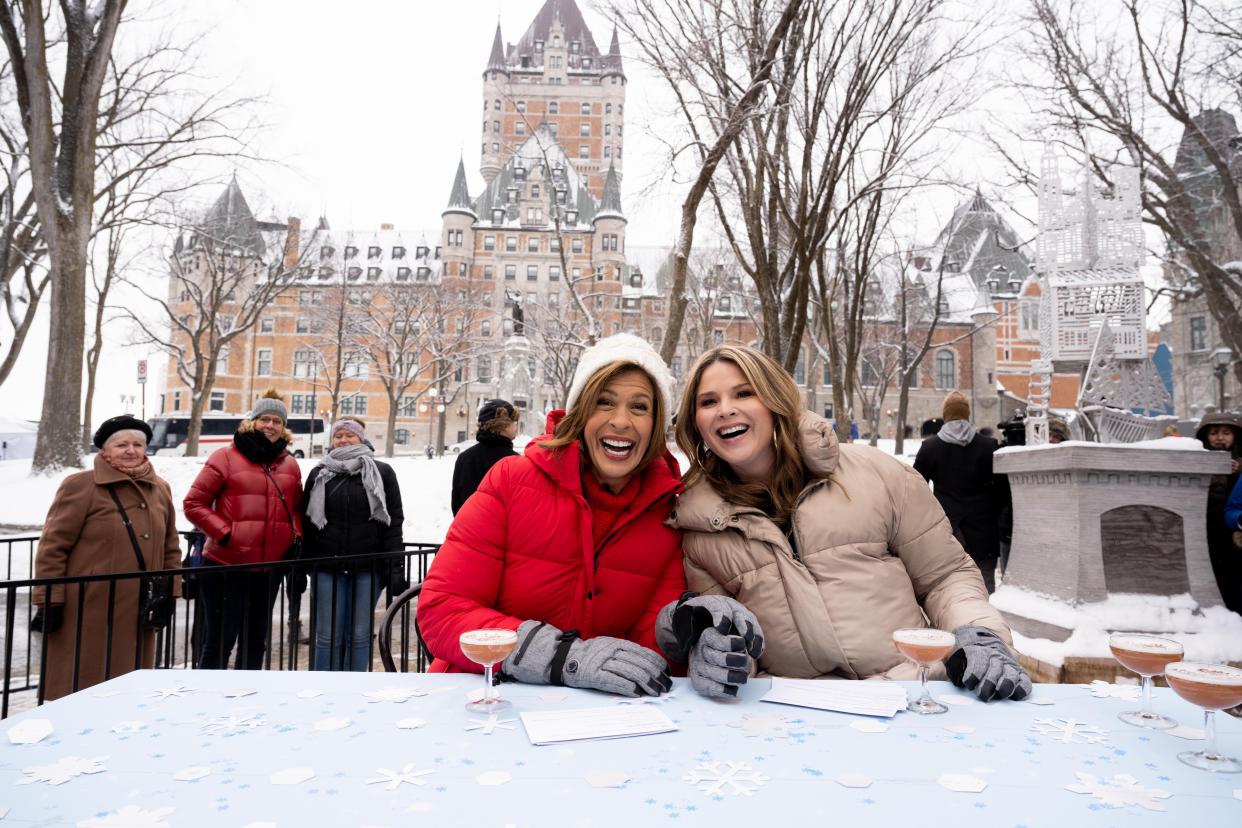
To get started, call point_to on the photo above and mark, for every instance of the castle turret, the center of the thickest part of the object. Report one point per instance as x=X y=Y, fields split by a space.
x=609 y=224
x=459 y=219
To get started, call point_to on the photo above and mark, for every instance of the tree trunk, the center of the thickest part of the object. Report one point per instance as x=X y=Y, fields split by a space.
x=903 y=406
x=195 y=430
x=391 y=437
x=60 y=429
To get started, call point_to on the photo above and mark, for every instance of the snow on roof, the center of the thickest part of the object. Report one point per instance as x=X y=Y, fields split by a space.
x=542 y=157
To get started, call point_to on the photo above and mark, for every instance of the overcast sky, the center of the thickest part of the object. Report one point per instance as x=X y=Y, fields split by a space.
x=369 y=106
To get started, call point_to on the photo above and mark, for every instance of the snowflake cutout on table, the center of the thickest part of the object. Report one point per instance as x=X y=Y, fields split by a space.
x=1119 y=791
x=490 y=725
x=233 y=724
x=719 y=778
x=1104 y=690
x=664 y=699
x=131 y=816
x=394 y=694
x=391 y=779
x=763 y=726
x=1070 y=731
x=161 y=693
x=60 y=772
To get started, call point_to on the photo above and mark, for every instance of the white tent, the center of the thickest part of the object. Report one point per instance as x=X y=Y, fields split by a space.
x=17 y=438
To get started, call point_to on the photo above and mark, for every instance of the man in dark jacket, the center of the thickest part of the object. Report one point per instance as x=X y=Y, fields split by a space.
x=1223 y=432
x=958 y=462
x=498 y=425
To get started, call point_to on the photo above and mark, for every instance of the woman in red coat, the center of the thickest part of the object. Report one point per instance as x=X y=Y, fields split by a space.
x=567 y=544
x=247 y=500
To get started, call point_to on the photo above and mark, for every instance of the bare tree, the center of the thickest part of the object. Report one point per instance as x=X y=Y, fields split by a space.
x=60 y=122
x=1118 y=91
x=224 y=275
x=718 y=59
x=337 y=340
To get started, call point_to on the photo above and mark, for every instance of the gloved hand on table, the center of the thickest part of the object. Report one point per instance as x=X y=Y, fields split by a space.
x=716 y=636
x=545 y=655
x=984 y=664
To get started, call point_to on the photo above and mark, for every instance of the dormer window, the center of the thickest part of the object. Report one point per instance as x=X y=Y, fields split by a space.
x=538 y=45
x=636 y=279
x=571 y=216
x=325 y=272
x=424 y=273
x=574 y=46
x=373 y=274
x=398 y=252
x=354 y=273
x=586 y=64
x=403 y=274
x=327 y=252
x=374 y=251
x=556 y=40
x=519 y=172
x=498 y=216
x=421 y=251
x=512 y=194
x=350 y=251
x=560 y=195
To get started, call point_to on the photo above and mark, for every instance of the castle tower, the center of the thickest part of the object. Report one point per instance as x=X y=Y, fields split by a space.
x=459 y=217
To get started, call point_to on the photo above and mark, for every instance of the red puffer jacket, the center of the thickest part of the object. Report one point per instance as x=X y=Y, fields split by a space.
x=234 y=496
x=521 y=548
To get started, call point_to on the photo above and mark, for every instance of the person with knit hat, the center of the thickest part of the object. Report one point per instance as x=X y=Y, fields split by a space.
x=1222 y=431
x=498 y=425
x=568 y=543
x=247 y=500
x=957 y=461
x=99 y=630
x=352 y=508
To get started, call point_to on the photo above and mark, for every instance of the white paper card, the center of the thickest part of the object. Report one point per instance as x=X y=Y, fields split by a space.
x=863 y=698
x=552 y=726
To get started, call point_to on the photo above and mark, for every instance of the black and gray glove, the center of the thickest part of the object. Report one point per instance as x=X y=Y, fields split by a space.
x=48 y=619
x=545 y=655
x=680 y=623
x=984 y=664
x=718 y=664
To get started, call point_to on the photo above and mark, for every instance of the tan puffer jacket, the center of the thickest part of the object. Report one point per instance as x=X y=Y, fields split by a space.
x=875 y=554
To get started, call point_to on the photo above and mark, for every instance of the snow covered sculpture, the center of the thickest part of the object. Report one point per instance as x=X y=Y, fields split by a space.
x=1093 y=318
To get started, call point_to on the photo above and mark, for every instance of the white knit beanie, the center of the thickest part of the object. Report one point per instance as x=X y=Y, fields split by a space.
x=624 y=348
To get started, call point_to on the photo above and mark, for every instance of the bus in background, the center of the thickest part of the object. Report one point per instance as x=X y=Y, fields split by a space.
x=169 y=431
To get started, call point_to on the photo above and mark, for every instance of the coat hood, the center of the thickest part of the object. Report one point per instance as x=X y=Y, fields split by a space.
x=1228 y=418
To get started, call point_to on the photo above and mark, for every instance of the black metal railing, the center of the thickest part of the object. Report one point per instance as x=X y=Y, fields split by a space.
x=112 y=623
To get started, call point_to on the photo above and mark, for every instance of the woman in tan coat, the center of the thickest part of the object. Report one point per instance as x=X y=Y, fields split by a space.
x=832 y=547
x=85 y=535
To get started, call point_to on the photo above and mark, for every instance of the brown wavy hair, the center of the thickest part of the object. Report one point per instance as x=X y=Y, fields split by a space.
x=779 y=394
x=573 y=425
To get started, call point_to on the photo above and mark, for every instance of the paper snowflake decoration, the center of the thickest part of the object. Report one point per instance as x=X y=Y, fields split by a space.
x=60 y=772
x=233 y=724
x=763 y=726
x=31 y=731
x=394 y=694
x=490 y=725
x=161 y=693
x=664 y=699
x=720 y=778
x=131 y=816
x=1070 y=731
x=391 y=779
x=1104 y=690
x=1119 y=791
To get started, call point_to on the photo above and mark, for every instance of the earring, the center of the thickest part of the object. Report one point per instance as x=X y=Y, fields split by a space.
x=704 y=453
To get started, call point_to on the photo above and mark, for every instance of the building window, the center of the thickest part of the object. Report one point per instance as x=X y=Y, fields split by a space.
x=373 y=274
x=575 y=245
x=407 y=405
x=398 y=252
x=554 y=273
x=1198 y=333
x=176 y=401
x=354 y=405
x=511 y=244
x=267 y=325
x=510 y=272
x=521 y=106
x=607 y=109
x=532 y=273
x=519 y=128
x=264 y=366
x=302 y=325
x=508 y=329
x=946 y=374
x=489 y=272
x=584 y=151
x=608 y=152
x=403 y=274
x=485 y=369
x=354 y=273
x=217 y=401
x=489 y=242
x=401 y=436
x=629 y=303
x=485 y=327
x=717 y=337
x=532 y=242
x=303 y=363
x=554 y=107
x=584 y=129
x=496 y=104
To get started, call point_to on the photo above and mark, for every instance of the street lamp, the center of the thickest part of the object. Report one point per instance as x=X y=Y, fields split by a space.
x=432 y=404
x=1221 y=358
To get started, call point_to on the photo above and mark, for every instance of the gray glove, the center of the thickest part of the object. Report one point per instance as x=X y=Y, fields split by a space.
x=680 y=623
x=984 y=664
x=718 y=664
x=545 y=655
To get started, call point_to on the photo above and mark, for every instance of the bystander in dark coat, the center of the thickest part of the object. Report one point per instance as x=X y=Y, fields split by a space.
x=1223 y=432
x=498 y=424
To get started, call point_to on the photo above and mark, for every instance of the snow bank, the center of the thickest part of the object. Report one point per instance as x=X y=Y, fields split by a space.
x=1213 y=634
x=1161 y=444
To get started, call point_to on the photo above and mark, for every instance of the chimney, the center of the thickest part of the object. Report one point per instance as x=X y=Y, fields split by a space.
x=293 y=243
x=386 y=226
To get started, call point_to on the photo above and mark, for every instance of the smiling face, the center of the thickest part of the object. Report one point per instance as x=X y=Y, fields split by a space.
x=270 y=426
x=733 y=422
x=125 y=449
x=618 y=429
x=344 y=437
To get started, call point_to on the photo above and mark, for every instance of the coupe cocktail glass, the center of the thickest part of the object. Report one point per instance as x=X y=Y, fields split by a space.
x=487 y=647
x=1212 y=687
x=924 y=647
x=1147 y=655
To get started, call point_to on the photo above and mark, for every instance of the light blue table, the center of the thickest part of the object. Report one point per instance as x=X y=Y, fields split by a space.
x=239 y=743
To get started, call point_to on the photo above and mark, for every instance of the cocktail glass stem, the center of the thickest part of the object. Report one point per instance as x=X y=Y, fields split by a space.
x=1209 y=735
x=926 y=694
x=487 y=683
x=1147 y=682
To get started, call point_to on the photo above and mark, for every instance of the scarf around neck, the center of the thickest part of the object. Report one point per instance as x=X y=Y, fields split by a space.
x=348 y=461
x=257 y=448
x=132 y=472
x=957 y=432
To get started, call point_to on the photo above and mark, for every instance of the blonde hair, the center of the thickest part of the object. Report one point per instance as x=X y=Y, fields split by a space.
x=777 y=496
x=573 y=425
